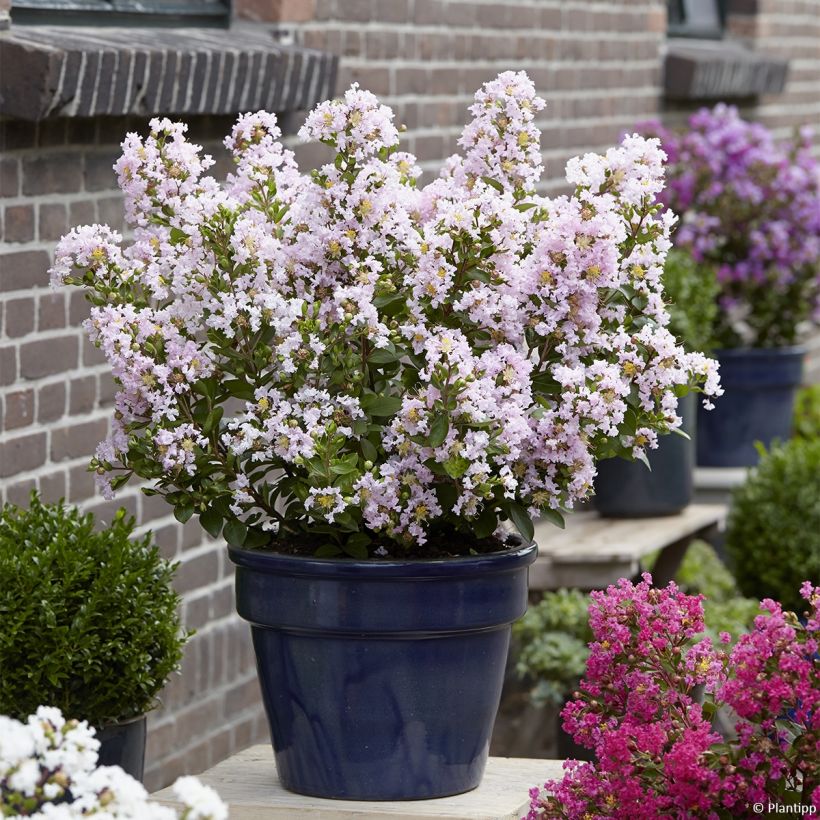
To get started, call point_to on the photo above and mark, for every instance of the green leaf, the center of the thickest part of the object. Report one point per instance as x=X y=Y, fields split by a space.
x=343 y=467
x=554 y=517
x=211 y=522
x=523 y=523
x=183 y=512
x=328 y=551
x=493 y=183
x=178 y=236
x=235 y=533
x=382 y=355
x=356 y=550
x=438 y=430
x=239 y=388
x=369 y=450
x=456 y=466
x=485 y=525
x=375 y=405
x=447 y=495
x=256 y=537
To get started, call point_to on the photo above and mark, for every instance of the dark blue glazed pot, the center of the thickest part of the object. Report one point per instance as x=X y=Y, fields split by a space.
x=757 y=405
x=626 y=489
x=381 y=680
x=123 y=745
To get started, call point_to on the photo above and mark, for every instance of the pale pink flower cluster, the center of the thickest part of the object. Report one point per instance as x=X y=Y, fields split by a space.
x=402 y=357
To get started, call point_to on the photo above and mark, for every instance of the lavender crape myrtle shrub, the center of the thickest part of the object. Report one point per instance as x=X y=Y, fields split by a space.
x=749 y=207
x=346 y=360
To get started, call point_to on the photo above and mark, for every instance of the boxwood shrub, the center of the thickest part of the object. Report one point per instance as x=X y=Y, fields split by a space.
x=88 y=618
x=773 y=533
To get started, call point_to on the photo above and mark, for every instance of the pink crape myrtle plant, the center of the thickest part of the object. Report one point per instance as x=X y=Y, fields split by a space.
x=749 y=207
x=346 y=357
x=641 y=709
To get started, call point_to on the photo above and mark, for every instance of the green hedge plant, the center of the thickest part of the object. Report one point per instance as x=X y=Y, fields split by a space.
x=773 y=533
x=88 y=617
x=692 y=290
x=807 y=413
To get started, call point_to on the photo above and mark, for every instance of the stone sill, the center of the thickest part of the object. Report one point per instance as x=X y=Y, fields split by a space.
x=248 y=784
x=51 y=71
x=720 y=70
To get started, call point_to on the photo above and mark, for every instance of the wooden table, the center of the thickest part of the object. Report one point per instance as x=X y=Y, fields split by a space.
x=593 y=552
x=247 y=782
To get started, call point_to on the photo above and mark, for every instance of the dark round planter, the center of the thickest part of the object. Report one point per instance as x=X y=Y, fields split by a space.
x=757 y=405
x=381 y=680
x=626 y=489
x=123 y=745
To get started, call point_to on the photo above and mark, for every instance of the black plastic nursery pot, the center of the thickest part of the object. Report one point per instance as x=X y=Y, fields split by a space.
x=381 y=679
x=757 y=405
x=627 y=489
x=123 y=745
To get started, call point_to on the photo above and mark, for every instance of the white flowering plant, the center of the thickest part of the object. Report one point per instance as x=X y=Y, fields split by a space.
x=48 y=771
x=350 y=362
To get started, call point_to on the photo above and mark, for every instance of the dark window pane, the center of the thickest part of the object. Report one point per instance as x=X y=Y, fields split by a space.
x=123 y=12
x=695 y=18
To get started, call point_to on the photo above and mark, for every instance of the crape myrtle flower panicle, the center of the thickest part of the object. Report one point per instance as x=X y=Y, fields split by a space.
x=349 y=352
x=640 y=711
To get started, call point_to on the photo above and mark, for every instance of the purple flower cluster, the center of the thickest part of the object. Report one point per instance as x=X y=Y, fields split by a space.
x=750 y=206
x=638 y=708
x=345 y=352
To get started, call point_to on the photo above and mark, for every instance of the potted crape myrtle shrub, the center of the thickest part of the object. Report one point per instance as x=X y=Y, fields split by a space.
x=750 y=207
x=661 y=483
x=90 y=623
x=365 y=387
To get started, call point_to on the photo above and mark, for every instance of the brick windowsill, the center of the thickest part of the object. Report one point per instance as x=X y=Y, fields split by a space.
x=50 y=71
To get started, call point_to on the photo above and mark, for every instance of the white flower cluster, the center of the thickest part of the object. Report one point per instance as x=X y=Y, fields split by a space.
x=48 y=771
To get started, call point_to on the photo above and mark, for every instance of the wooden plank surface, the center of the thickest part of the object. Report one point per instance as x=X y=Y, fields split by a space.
x=593 y=551
x=247 y=782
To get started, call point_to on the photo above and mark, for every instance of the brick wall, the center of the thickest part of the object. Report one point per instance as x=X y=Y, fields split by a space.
x=55 y=402
x=599 y=65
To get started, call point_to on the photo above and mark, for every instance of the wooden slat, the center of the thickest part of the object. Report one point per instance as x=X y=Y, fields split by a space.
x=593 y=551
x=247 y=782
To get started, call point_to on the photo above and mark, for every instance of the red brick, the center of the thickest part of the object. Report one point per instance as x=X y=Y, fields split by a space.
x=19 y=409
x=51 y=402
x=23 y=453
x=82 y=212
x=9 y=177
x=91 y=353
x=52 y=174
x=23 y=269
x=19 y=317
x=82 y=395
x=53 y=487
x=48 y=356
x=242 y=697
x=51 y=309
x=196 y=612
x=197 y=572
x=8 y=365
x=80 y=484
x=276 y=11
x=19 y=493
x=53 y=222
x=99 y=171
x=77 y=440
x=19 y=223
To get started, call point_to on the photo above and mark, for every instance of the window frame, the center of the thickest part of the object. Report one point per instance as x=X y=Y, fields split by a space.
x=696 y=27
x=180 y=13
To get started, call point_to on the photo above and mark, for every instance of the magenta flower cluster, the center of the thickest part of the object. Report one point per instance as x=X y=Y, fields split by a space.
x=349 y=354
x=646 y=706
x=750 y=207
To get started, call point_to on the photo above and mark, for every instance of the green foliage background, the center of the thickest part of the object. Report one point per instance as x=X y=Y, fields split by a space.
x=773 y=533
x=88 y=619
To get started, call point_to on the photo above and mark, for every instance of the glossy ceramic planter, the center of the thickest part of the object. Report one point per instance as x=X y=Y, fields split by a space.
x=757 y=405
x=123 y=745
x=381 y=679
x=626 y=489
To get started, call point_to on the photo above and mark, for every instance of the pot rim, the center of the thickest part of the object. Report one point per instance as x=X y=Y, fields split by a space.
x=117 y=724
x=759 y=352
x=489 y=563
